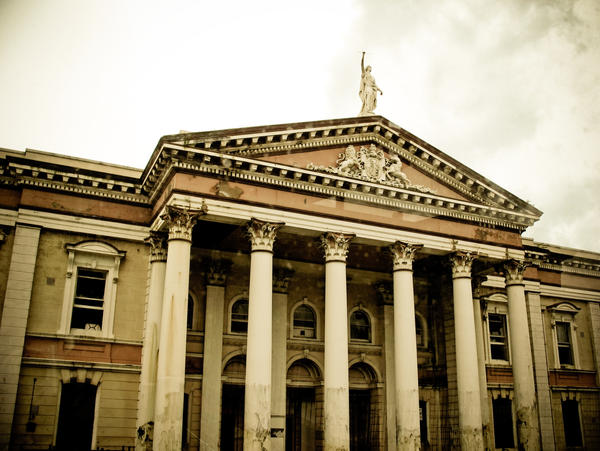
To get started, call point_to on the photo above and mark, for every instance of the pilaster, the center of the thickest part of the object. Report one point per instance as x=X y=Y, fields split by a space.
x=281 y=280
x=14 y=322
x=210 y=419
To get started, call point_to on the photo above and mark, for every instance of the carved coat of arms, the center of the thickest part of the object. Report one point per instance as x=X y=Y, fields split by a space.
x=371 y=164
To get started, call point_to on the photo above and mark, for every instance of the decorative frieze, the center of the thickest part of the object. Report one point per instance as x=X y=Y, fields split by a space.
x=461 y=264
x=403 y=255
x=513 y=272
x=158 y=246
x=262 y=234
x=336 y=245
x=181 y=221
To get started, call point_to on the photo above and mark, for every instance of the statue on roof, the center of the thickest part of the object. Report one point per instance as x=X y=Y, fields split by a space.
x=368 y=89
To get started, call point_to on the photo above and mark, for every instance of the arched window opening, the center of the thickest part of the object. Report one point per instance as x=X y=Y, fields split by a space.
x=304 y=322
x=239 y=317
x=360 y=326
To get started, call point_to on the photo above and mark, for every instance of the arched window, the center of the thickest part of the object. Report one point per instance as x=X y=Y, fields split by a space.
x=304 y=322
x=239 y=317
x=360 y=326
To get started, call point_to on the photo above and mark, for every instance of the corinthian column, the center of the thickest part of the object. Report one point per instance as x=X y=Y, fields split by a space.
x=257 y=410
x=467 y=373
x=336 y=397
x=408 y=433
x=171 y=357
x=525 y=403
x=147 y=390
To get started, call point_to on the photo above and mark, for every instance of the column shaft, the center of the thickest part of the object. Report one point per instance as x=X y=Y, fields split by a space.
x=147 y=389
x=336 y=405
x=408 y=434
x=467 y=373
x=257 y=409
x=170 y=379
x=524 y=387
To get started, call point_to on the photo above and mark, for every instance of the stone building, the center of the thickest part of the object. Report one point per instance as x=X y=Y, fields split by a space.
x=338 y=284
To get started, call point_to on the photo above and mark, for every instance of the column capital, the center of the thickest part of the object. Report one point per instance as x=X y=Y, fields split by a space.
x=461 y=264
x=404 y=255
x=336 y=245
x=158 y=246
x=281 y=279
x=262 y=234
x=181 y=221
x=513 y=272
x=216 y=271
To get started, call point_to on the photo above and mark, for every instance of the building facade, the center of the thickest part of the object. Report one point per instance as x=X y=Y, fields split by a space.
x=335 y=285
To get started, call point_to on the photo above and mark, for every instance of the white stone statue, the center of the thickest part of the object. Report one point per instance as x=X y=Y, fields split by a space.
x=368 y=89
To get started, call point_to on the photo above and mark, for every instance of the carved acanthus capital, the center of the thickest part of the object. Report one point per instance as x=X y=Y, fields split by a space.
x=217 y=271
x=262 y=234
x=403 y=255
x=281 y=279
x=181 y=221
x=158 y=246
x=461 y=264
x=336 y=245
x=513 y=272
x=385 y=292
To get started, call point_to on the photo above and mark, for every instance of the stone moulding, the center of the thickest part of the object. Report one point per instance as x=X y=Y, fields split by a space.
x=338 y=186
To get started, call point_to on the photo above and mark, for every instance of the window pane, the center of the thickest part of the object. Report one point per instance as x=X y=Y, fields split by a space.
x=239 y=317
x=503 y=427
x=562 y=332
x=304 y=322
x=359 y=326
x=86 y=318
x=563 y=336
x=498 y=338
x=90 y=284
x=571 y=423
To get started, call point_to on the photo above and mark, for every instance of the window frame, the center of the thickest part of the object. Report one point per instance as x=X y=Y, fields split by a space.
x=315 y=324
x=97 y=256
x=235 y=300
x=564 y=313
x=497 y=304
x=360 y=308
x=492 y=343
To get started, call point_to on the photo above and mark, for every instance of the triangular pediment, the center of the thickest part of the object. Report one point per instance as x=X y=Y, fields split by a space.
x=364 y=159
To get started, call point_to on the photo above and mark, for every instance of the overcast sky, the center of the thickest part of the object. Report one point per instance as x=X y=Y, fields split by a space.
x=510 y=88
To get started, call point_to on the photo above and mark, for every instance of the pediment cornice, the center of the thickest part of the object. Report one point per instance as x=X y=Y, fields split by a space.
x=256 y=142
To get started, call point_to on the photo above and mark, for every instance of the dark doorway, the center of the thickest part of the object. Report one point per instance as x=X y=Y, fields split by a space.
x=300 y=423
x=76 y=417
x=232 y=418
x=360 y=421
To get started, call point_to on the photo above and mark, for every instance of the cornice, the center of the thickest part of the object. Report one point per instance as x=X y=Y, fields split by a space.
x=376 y=129
x=215 y=164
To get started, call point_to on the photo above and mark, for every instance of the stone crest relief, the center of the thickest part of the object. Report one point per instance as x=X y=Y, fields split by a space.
x=371 y=164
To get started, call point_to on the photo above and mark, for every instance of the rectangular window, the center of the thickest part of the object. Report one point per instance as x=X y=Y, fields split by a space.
x=572 y=425
x=498 y=336
x=563 y=338
x=88 y=303
x=503 y=423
